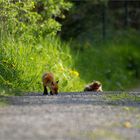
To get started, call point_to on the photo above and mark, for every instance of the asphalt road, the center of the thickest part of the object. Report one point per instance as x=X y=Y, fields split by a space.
x=69 y=116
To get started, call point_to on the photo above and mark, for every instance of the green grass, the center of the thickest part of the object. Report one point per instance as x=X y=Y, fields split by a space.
x=3 y=102
x=103 y=134
x=100 y=133
x=113 y=62
x=122 y=96
x=22 y=65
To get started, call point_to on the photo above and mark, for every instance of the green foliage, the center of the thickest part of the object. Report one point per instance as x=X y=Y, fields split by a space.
x=30 y=19
x=28 y=48
x=115 y=63
x=22 y=65
x=84 y=20
x=92 y=19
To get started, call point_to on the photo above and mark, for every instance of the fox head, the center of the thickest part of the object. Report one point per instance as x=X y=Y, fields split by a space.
x=54 y=87
x=96 y=85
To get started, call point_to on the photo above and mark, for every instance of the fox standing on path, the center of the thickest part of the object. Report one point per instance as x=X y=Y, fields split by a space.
x=48 y=81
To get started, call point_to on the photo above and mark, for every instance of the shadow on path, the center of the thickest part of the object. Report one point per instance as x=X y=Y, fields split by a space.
x=93 y=98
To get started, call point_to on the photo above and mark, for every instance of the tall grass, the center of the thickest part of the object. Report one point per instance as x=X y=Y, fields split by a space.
x=115 y=63
x=23 y=63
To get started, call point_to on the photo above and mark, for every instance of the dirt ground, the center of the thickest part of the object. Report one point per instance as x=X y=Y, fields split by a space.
x=71 y=116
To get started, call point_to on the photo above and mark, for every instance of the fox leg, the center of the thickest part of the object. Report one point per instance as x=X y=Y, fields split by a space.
x=45 y=91
x=51 y=93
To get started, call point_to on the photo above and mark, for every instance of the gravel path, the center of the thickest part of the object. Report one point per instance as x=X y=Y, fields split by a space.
x=69 y=116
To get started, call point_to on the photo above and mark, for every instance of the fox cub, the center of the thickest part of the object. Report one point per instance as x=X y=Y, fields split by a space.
x=48 y=82
x=94 y=86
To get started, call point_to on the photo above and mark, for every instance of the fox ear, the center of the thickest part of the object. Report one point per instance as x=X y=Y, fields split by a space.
x=57 y=81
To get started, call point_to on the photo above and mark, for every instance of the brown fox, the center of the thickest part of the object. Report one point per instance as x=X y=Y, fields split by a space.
x=94 y=86
x=48 y=81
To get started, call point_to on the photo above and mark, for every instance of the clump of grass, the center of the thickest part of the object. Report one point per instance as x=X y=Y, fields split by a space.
x=3 y=102
x=103 y=134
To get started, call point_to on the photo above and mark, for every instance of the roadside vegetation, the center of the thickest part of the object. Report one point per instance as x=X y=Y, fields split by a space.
x=114 y=62
x=3 y=102
x=123 y=96
x=30 y=46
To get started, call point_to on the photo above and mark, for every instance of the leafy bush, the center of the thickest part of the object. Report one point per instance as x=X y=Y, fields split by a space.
x=30 y=19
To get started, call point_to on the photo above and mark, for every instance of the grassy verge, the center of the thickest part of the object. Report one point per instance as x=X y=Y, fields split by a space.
x=113 y=62
x=23 y=63
x=3 y=102
x=122 y=97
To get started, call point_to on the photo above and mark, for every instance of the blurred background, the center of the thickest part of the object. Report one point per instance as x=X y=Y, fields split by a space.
x=78 y=40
